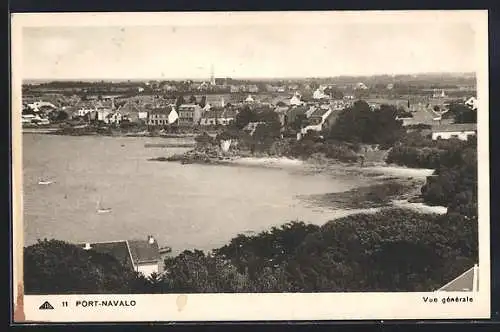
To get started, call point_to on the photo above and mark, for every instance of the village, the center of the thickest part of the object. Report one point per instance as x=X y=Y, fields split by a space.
x=153 y=108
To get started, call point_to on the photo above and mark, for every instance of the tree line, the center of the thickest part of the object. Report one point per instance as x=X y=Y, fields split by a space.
x=389 y=251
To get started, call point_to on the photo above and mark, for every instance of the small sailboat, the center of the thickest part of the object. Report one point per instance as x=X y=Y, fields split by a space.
x=101 y=209
x=165 y=250
x=44 y=181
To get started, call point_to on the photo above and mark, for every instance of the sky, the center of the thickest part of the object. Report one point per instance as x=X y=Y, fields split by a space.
x=246 y=51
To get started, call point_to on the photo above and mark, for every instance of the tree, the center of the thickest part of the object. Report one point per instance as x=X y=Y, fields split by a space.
x=461 y=113
x=244 y=117
x=299 y=121
x=203 y=101
x=180 y=100
x=334 y=92
x=58 y=116
x=192 y=99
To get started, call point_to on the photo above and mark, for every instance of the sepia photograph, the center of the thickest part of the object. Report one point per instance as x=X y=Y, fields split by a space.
x=231 y=154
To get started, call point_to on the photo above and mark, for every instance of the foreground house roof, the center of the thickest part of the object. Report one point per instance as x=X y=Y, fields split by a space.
x=128 y=252
x=144 y=252
x=117 y=249
x=455 y=127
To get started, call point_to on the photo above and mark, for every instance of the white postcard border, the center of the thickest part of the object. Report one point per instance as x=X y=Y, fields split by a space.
x=249 y=307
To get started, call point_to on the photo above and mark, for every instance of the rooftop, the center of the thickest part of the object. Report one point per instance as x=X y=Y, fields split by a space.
x=128 y=252
x=455 y=127
x=464 y=282
x=214 y=113
x=161 y=110
x=143 y=251
x=319 y=112
x=117 y=249
x=187 y=106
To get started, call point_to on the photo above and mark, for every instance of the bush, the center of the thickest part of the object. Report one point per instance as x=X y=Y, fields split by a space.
x=336 y=150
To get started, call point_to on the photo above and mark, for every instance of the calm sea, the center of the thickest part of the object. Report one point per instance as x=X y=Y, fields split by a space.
x=183 y=206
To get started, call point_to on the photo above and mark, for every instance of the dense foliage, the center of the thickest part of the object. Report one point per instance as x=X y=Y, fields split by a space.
x=454 y=183
x=362 y=124
x=461 y=113
x=332 y=149
x=391 y=250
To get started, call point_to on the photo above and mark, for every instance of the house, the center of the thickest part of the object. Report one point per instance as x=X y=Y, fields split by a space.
x=211 y=117
x=234 y=88
x=317 y=120
x=168 y=87
x=142 y=115
x=295 y=100
x=406 y=121
x=189 y=114
x=472 y=103
x=28 y=118
x=249 y=99
x=102 y=113
x=83 y=111
x=436 y=94
x=159 y=116
x=466 y=282
x=253 y=88
x=142 y=256
x=361 y=86
x=38 y=105
x=338 y=105
x=461 y=131
x=114 y=118
x=320 y=93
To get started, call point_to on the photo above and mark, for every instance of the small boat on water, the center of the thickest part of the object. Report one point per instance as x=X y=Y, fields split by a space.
x=165 y=250
x=45 y=182
x=102 y=210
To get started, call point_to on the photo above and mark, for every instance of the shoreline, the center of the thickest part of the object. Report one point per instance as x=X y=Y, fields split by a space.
x=387 y=185
x=95 y=132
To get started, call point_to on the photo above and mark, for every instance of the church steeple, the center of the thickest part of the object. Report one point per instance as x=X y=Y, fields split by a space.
x=212 y=77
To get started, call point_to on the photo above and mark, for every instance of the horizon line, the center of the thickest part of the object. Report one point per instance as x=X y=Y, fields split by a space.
x=247 y=78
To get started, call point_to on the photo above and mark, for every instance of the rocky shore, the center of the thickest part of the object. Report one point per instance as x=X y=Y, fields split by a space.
x=199 y=156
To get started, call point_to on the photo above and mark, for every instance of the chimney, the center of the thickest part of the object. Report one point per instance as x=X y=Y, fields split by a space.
x=151 y=239
x=87 y=246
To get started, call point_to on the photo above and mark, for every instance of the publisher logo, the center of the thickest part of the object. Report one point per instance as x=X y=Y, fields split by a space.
x=46 y=306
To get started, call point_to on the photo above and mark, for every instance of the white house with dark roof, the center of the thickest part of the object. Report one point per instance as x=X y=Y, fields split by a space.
x=295 y=100
x=461 y=131
x=142 y=256
x=472 y=103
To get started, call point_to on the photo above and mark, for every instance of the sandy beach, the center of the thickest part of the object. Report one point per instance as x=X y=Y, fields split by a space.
x=378 y=176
